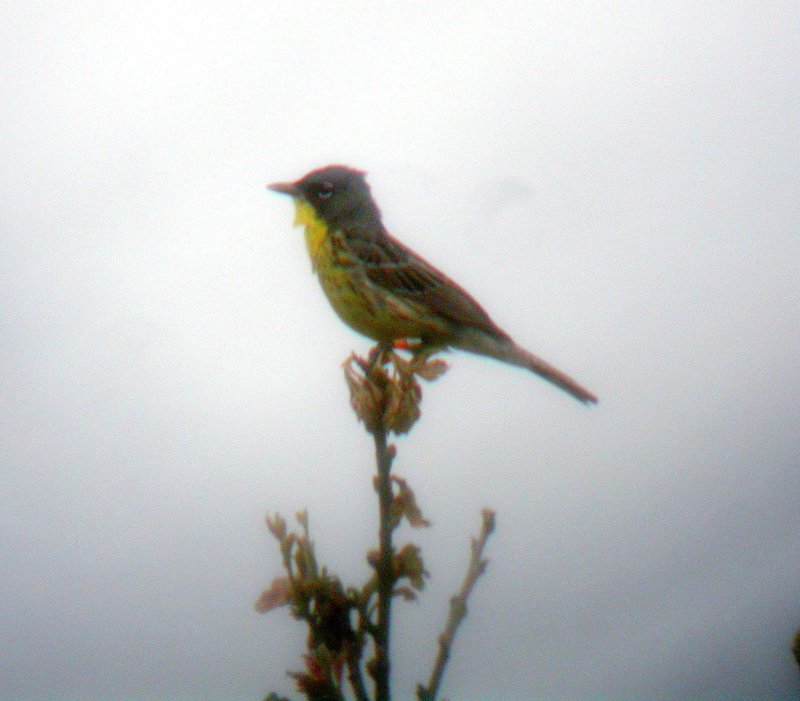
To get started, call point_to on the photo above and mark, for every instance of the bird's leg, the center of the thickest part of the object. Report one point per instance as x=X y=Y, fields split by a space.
x=421 y=351
x=376 y=356
x=416 y=347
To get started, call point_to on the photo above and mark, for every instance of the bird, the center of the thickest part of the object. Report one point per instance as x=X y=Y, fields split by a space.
x=382 y=289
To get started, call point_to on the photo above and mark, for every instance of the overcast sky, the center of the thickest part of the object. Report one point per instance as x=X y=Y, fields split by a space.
x=617 y=183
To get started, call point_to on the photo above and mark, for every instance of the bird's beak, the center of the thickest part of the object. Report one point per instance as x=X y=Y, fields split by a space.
x=285 y=189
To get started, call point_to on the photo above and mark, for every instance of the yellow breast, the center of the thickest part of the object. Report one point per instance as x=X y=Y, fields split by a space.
x=342 y=283
x=370 y=311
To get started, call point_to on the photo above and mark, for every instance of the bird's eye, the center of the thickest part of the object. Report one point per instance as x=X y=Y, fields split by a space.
x=325 y=190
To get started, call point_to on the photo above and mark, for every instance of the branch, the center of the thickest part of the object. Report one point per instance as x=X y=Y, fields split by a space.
x=458 y=607
x=387 y=401
x=371 y=391
x=385 y=394
x=354 y=675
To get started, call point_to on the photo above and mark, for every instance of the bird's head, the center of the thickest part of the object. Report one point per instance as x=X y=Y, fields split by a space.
x=339 y=196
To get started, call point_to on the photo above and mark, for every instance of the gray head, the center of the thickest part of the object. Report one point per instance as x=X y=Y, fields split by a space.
x=339 y=195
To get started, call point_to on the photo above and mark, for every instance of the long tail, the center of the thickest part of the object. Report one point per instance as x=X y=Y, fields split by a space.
x=505 y=350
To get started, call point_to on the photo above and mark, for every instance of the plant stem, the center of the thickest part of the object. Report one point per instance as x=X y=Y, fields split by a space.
x=385 y=569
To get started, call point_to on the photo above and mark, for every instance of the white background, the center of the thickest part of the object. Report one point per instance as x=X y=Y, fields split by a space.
x=617 y=183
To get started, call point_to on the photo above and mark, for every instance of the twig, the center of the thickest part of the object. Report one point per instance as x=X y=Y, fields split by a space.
x=354 y=676
x=458 y=607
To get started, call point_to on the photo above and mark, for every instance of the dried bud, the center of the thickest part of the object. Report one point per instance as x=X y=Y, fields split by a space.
x=277 y=526
x=402 y=404
x=319 y=681
x=366 y=391
x=405 y=504
x=407 y=593
x=384 y=399
x=489 y=520
x=430 y=370
x=304 y=559
x=408 y=563
x=277 y=595
x=302 y=519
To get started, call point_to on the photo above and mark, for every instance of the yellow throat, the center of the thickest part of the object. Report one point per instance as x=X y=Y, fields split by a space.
x=316 y=230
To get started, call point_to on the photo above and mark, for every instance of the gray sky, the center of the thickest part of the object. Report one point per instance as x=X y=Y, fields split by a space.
x=616 y=183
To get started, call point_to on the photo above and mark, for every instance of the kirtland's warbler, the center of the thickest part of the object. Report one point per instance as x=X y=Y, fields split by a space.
x=383 y=289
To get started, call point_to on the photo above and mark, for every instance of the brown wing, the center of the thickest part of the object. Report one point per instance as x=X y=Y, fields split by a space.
x=396 y=268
